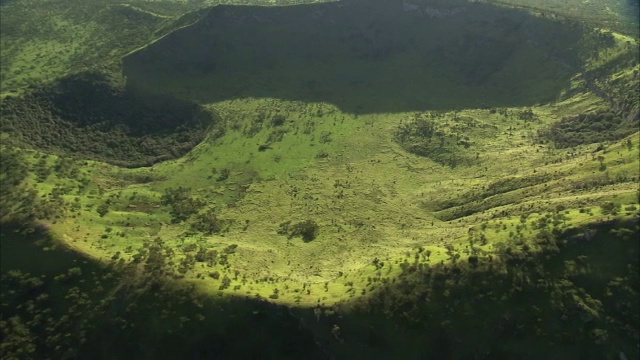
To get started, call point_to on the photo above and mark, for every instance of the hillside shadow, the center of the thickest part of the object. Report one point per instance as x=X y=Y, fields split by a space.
x=94 y=299
x=91 y=115
x=461 y=310
x=365 y=57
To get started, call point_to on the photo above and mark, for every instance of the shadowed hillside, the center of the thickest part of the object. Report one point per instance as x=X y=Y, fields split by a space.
x=93 y=116
x=566 y=301
x=360 y=179
x=365 y=57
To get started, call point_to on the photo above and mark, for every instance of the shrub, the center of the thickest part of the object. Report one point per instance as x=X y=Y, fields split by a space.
x=307 y=230
x=588 y=129
x=422 y=137
x=207 y=222
x=103 y=209
x=609 y=208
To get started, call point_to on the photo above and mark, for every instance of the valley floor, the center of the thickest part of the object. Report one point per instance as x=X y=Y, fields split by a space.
x=376 y=206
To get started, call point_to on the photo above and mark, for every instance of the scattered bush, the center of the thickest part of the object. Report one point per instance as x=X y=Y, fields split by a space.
x=420 y=136
x=589 y=129
x=224 y=175
x=181 y=203
x=610 y=208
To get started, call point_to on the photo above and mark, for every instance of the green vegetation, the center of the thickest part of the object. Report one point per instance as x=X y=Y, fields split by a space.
x=621 y=16
x=360 y=179
x=16 y=200
x=590 y=129
x=366 y=56
x=422 y=137
x=92 y=116
x=181 y=203
x=565 y=295
x=59 y=304
x=307 y=230
x=570 y=297
x=619 y=120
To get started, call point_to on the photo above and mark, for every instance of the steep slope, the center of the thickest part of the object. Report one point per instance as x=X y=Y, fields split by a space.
x=298 y=198
x=92 y=115
x=367 y=56
x=433 y=179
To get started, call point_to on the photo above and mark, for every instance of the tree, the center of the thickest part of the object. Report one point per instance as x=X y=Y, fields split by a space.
x=226 y=282
x=307 y=230
x=103 y=209
x=181 y=203
x=473 y=260
x=208 y=222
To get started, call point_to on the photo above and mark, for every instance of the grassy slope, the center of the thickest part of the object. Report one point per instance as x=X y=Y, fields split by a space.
x=360 y=63
x=44 y=40
x=612 y=14
x=371 y=201
x=370 y=198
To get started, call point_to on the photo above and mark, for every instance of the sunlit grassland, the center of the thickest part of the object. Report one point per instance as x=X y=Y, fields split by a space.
x=371 y=201
x=457 y=216
x=616 y=14
x=42 y=41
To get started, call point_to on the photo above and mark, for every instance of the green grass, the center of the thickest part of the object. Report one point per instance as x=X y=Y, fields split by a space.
x=327 y=151
x=621 y=16
x=370 y=202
